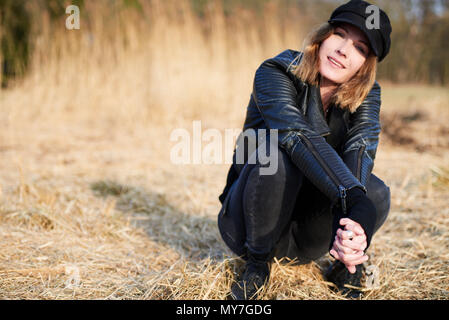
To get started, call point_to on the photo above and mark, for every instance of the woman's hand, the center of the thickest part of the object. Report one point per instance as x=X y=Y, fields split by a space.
x=349 y=244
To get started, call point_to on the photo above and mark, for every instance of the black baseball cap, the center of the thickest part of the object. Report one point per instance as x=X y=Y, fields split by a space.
x=355 y=13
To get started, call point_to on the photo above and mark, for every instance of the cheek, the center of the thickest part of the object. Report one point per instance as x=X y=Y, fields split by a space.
x=357 y=63
x=327 y=45
x=324 y=51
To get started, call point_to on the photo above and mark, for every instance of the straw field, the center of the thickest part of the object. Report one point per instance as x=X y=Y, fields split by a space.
x=91 y=207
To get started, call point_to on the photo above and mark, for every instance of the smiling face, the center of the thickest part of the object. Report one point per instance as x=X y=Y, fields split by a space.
x=343 y=53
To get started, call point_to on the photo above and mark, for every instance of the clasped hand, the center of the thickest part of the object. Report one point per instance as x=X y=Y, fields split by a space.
x=349 y=244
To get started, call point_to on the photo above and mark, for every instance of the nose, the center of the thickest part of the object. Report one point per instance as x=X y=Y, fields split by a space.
x=343 y=48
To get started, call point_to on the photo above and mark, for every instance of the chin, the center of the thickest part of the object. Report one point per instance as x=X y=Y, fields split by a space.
x=332 y=77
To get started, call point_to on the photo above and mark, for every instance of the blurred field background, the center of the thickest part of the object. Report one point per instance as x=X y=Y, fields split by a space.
x=91 y=206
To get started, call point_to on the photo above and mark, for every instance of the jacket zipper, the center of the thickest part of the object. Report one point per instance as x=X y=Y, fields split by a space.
x=359 y=161
x=329 y=172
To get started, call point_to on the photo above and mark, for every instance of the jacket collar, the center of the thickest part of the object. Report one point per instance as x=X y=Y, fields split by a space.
x=314 y=111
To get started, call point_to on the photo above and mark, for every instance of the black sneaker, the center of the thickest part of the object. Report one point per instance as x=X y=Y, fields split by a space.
x=348 y=284
x=251 y=281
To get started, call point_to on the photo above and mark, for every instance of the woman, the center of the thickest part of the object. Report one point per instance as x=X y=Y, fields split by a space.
x=323 y=104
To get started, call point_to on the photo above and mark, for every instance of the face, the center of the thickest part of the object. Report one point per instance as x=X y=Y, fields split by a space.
x=343 y=53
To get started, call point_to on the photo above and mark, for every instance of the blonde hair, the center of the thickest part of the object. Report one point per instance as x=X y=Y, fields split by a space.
x=350 y=94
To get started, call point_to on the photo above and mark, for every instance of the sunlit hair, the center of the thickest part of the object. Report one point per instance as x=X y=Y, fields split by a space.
x=350 y=94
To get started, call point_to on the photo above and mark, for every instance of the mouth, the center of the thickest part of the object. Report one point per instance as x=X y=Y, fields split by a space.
x=336 y=63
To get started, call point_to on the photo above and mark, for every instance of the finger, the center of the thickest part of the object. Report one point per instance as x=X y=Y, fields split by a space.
x=351 y=268
x=350 y=234
x=344 y=235
x=334 y=254
x=355 y=227
x=347 y=221
x=358 y=230
x=350 y=258
x=351 y=244
x=359 y=239
x=363 y=245
x=341 y=247
x=355 y=262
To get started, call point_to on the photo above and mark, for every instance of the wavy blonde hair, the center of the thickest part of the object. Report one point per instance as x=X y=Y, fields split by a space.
x=349 y=94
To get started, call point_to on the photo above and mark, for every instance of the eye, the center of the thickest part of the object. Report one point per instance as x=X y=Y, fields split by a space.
x=339 y=33
x=361 y=49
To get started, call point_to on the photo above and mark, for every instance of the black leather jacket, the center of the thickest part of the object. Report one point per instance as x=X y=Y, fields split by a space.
x=336 y=154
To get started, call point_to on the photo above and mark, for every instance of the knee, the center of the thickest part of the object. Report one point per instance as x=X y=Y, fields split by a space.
x=273 y=163
x=379 y=193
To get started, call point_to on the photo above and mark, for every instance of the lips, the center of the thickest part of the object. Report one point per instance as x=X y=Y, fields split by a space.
x=336 y=63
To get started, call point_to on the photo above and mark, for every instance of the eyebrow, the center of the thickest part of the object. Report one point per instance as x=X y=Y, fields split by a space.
x=362 y=41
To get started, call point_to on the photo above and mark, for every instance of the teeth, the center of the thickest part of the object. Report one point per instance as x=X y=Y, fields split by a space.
x=338 y=64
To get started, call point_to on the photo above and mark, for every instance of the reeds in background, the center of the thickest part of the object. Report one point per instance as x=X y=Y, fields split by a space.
x=162 y=63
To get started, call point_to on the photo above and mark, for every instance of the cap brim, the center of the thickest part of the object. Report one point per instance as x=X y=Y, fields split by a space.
x=359 y=22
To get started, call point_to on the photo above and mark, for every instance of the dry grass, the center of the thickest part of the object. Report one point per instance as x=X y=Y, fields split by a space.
x=92 y=208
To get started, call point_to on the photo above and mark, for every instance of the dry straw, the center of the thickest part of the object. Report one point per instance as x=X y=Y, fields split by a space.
x=92 y=208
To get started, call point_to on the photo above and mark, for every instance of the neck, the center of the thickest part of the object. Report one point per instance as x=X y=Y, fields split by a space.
x=327 y=89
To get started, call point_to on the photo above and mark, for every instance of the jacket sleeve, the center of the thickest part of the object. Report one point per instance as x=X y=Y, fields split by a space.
x=360 y=145
x=276 y=98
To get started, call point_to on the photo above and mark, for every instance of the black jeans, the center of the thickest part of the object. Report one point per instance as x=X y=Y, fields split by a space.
x=284 y=214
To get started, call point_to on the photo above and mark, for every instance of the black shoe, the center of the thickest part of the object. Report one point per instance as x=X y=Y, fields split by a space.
x=348 y=284
x=251 y=281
